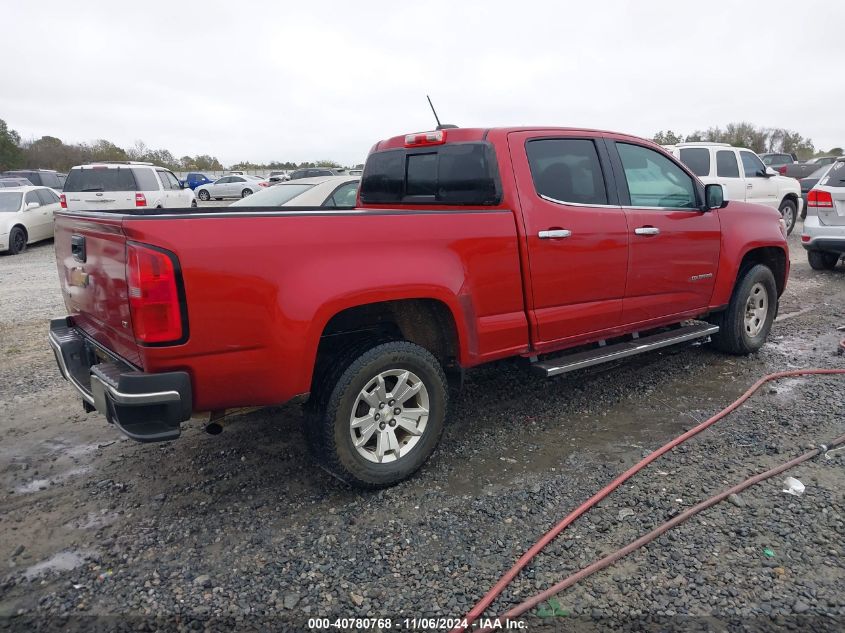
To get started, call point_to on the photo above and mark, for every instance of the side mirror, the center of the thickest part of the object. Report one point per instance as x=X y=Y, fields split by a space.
x=770 y=172
x=715 y=197
x=32 y=205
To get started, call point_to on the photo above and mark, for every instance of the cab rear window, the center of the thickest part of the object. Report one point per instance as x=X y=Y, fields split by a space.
x=451 y=174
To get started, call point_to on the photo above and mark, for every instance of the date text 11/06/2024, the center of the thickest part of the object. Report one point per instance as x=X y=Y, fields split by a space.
x=414 y=624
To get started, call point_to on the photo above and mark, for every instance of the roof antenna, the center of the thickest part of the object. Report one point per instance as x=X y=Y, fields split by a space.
x=440 y=126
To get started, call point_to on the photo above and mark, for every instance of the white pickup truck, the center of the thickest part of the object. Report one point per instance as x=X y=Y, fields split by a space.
x=743 y=175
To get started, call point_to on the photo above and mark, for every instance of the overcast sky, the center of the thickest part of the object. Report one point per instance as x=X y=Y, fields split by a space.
x=300 y=81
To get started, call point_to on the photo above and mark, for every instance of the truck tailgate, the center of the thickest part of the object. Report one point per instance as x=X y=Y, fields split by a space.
x=91 y=259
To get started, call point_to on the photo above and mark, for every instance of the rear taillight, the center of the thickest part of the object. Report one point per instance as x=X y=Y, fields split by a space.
x=140 y=200
x=154 y=300
x=818 y=198
x=782 y=170
x=63 y=201
x=263 y=184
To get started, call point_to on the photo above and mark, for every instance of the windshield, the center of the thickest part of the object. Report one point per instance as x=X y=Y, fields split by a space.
x=10 y=201
x=777 y=159
x=273 y=197
x=821 y=171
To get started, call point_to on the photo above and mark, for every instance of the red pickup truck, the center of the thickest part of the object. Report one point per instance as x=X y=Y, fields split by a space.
x=567 y=247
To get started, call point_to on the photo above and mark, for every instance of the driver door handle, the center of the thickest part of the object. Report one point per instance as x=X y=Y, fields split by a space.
x=647 y=230
x=554 y=234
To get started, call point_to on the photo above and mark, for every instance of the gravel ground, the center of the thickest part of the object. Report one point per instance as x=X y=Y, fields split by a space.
x=241 y=530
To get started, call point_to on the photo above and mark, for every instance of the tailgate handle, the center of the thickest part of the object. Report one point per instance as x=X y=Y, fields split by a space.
x=77 y=248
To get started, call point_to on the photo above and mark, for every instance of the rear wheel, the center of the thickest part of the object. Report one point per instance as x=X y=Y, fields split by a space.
x=17 y=240
x=376 y=418
x=246 y=192
x=193 y=204
x=204 y=195
x=823 y=260
x=789 y=211
x=745 y=325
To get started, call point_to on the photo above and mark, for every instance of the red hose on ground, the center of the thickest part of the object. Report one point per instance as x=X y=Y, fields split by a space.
x=549 y=536
x=665 y=527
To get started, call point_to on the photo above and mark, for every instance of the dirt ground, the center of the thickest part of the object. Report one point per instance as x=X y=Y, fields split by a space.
x=243 y=528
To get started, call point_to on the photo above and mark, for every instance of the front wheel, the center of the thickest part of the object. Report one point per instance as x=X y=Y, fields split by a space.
x=246 y=192
x=822 y=260
x=745 y=325
x=204 y=195
x=789 y=211
x=375 y=419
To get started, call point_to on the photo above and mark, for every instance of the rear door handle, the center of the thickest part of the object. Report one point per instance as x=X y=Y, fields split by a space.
x=647 y=230
x=554 y=234
x=749 y=186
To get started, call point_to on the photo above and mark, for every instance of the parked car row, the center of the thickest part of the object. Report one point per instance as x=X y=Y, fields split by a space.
x=38 y=177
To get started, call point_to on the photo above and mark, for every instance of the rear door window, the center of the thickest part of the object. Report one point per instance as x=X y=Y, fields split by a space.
x=567 y=170
x=101 y=179
x=697 y=159
x=165 y=183
x=46 y=196
x=726 y=166
x=32 y=196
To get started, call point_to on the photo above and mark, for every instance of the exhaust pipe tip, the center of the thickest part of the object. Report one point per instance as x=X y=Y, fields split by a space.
x=214 y=428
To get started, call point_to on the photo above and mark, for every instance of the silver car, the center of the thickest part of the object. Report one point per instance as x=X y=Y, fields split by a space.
x=231 y=186
x=322 y=191
x=824 y=228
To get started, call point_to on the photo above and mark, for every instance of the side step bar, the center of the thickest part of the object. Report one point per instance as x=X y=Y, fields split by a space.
x=607 y=353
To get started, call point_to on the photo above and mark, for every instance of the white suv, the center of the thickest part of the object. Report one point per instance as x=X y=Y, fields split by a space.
x=743 y=176
x=824 y=226
x=115 y=185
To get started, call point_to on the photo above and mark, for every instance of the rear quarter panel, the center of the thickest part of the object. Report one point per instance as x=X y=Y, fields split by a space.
x=261 y=288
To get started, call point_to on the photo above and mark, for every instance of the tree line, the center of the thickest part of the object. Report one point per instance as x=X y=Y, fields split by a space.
x=758 y=139
x=49 y=152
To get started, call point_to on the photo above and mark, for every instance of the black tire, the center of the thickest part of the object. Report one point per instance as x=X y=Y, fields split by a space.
x=327 y=415
x=789 y=212
x=733 y=336
x=17 y=240
x=218 y=198
x=246 y=192
x=204 y=195
x=193 y=204
x=823 y=260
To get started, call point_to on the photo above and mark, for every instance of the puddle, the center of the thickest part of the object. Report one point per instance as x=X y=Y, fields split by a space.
x=94 y=520
x=60 y=561
x=37 y=485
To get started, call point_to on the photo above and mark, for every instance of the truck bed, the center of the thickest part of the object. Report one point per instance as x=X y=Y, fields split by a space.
x=239 y=268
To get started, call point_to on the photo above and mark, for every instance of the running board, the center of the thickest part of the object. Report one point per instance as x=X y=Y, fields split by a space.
x=608 y=353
